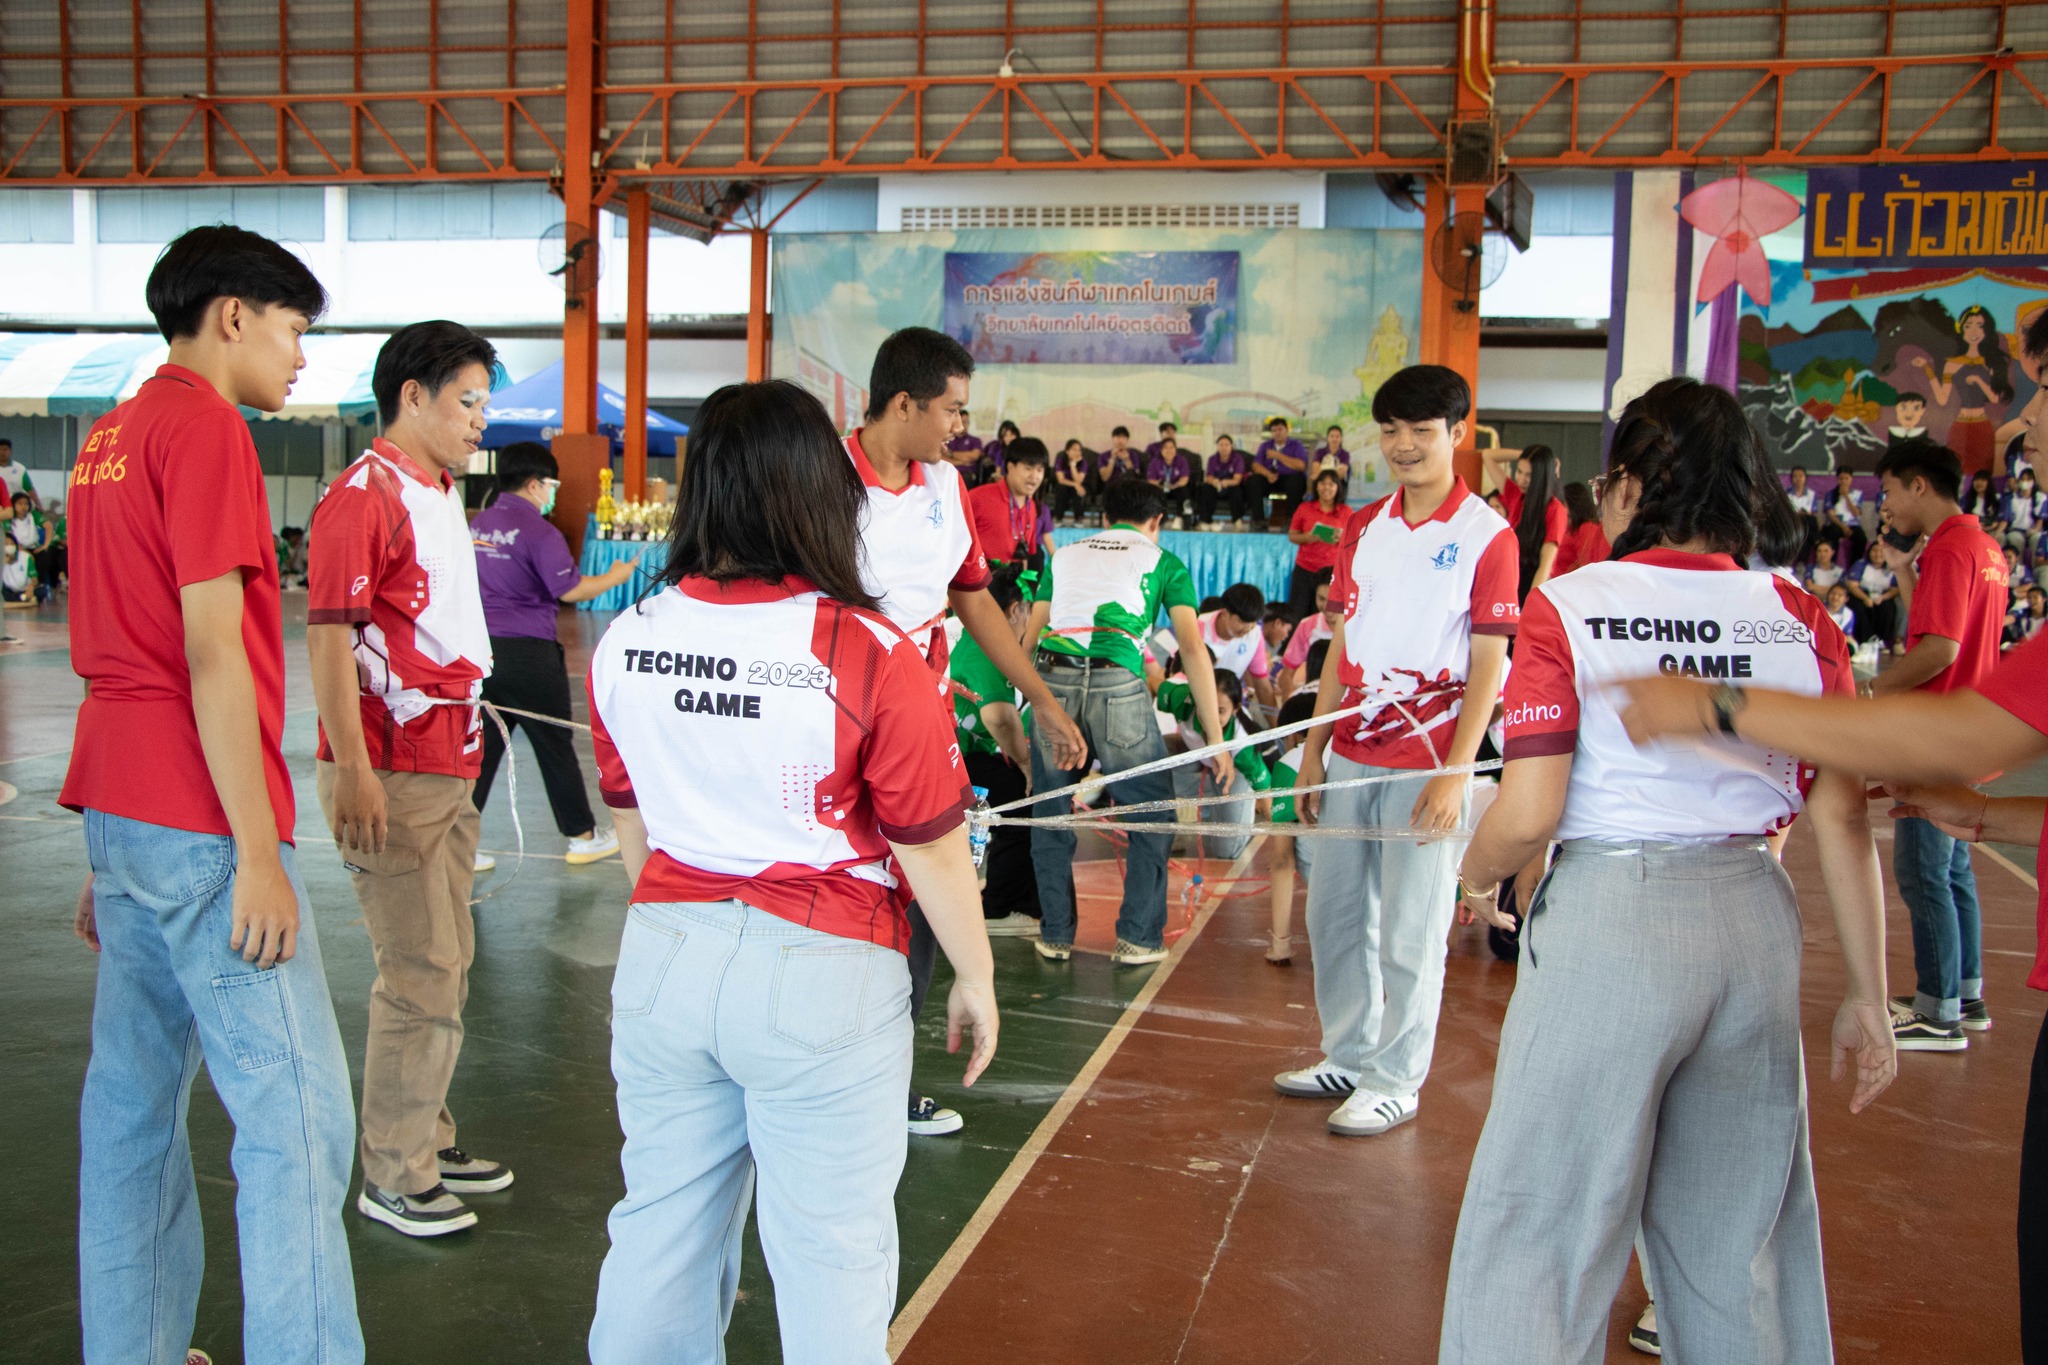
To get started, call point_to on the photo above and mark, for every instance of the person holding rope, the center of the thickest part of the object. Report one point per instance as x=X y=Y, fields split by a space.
x=524 y=568
x=1426 y=581
x=1094 y=603
x=1683 y=1108
x=395 y=625
x=920 y=556
x=782 y=782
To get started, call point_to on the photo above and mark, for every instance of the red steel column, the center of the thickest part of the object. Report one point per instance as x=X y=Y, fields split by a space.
x=581 y=450
x=757 y=307
x=638 y=219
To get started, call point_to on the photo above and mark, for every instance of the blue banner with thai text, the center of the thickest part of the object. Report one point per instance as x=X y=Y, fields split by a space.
x=1093 y=307
x=1901 y=217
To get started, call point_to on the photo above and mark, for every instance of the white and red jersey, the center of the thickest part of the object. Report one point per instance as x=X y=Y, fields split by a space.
x=1245 y=656
x=774 y=741
x=389 y=552
x=1700 y=616
x=1413 y=597
x=917 y=543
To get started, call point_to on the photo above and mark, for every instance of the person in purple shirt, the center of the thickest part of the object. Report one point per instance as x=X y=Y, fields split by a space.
x=991 y=466
x=524 y=569
x=1118 y=460
x=963 y=452
x=1225 y=484
x=1279 y=471
x=1167 y=432
x=1070 y=484
x=1170 y=470
x=1333 y=454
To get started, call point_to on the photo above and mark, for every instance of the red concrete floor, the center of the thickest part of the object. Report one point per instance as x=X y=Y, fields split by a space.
x=1186 y=1213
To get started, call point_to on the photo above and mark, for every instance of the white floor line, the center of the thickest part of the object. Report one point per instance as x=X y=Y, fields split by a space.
x=2009 y=865
x=942 y=1275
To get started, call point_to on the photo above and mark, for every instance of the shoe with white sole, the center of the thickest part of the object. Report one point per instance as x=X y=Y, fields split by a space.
x=1368 y=1114
x=484 y=863
x=1915 y=1032
x=1053 y=952
x=602 y=844
x=1016 y=924
x=1323 y=1081
x=1976 y=1015
x=1643 y=1336
x=468 y=1174
x=430 y=1213
x=1128 y=954
x=927 y=1119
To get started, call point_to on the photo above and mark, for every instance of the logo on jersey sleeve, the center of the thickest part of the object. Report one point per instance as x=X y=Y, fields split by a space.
x=1446 y=558
x=356 y=588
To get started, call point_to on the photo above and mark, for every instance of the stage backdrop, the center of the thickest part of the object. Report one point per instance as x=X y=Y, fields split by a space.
x=1957 y=263
x=1214 y=331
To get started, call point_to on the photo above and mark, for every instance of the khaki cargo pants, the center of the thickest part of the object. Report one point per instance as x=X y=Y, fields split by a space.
x=415 y=899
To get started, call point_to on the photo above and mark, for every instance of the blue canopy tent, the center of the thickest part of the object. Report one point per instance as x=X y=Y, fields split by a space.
x=531 y=410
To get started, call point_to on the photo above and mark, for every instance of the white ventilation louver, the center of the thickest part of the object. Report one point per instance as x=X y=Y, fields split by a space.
x=950 y=217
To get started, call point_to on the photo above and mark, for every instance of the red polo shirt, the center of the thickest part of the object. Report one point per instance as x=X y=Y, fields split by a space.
x=167 y=493
x=1961 y=596
x=2020 y=685
x=1006 y=530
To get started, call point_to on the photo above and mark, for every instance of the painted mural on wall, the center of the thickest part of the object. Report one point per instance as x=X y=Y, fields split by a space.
x=1322 y=318
x=1845 y=361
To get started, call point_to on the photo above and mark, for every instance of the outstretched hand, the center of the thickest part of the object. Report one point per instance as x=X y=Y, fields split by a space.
x=971 y=1009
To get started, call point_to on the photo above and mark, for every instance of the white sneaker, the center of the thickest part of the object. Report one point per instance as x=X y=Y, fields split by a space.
x=602 y=844
x=1128 y=954
x=1325 y=1080
x=1368 y=1113
x=484 y=863
x=1016 y=924
x=928 y=1119
x=1643 y=1336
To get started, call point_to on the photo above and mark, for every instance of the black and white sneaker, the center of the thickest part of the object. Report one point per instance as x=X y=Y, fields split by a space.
x=1325 y=1080
x=471 y=1174
x=927 y=1119
x=430 y=1213
x=1643 y=1336
x=1976 y=1015
x=1915 y=1032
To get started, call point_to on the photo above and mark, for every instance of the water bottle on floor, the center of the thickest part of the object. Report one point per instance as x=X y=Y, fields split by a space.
x=1190 y=896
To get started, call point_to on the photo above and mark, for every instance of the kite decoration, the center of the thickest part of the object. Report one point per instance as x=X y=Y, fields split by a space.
x=1738 y=213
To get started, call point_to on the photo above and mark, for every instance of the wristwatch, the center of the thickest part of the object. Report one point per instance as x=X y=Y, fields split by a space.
x=1728 y=701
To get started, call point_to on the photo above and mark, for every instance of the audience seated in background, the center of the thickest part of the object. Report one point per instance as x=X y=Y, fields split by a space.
x=1825 y=572
x=1873 y=591
x=1838 y=609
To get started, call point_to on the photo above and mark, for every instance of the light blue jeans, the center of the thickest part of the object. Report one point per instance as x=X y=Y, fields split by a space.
x=171 y=993
x=750 y=1048
x=1114 y=709
x=1940 y=890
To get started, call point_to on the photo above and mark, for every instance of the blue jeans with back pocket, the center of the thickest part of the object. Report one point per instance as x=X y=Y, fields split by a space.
x=170 y=994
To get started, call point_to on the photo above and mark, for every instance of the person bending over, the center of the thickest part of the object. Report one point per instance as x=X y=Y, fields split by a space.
x=1091 y=609
x=776 y=812
x=988 y=719
x=1689 y=1119
x=1426 y=582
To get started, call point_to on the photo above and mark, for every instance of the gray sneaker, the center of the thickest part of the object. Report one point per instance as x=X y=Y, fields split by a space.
x=1016 y=924
x=1129 y=954
x=1053 y=952
x=471 y=1174
x=430 y=1213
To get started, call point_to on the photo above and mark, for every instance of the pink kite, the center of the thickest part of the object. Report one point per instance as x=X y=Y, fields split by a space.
x=1738 y=213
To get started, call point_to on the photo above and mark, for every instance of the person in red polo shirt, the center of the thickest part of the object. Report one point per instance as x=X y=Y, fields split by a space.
x=204 y=931
x=1005 y=509
x=1315 y=528
x=395 y=624
x=1955 y=613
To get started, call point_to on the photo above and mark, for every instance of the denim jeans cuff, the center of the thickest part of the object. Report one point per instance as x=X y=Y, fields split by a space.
x=1941 y=1011
x=1973 y=988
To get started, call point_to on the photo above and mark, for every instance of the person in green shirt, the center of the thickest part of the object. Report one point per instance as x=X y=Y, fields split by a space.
x=1177 y=700
x=1285 y=852
x=996 y=744
x=1092 y=608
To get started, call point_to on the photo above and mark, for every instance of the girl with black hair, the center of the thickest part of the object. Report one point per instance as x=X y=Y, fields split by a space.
x=524 y=569
x=1540 y=520
x=1584 y=541
x=778 y=772
x=1979 y=375
x=1650 y=1068
x=1315 y=528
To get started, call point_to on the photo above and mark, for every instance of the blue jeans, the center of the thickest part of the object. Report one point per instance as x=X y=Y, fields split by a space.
x=749 y=1047
x=1114 y=710
x=1940 y=889
x=171 y=994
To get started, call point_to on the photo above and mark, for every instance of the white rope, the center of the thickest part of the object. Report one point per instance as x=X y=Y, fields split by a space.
x=1175 y=803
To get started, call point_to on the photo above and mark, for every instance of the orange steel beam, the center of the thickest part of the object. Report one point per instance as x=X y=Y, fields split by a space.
x=1450 y=319
x=757 y=306
x=1382 y=117
x=581 y=450
x=639 y=222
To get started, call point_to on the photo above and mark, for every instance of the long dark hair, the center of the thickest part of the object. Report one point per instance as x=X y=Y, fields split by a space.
x=1992 y=348
x=1579 y=505
x=1536 y=501
x=1700 y=464
x=767 y=492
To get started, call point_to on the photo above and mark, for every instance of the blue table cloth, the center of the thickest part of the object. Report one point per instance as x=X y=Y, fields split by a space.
x=1215 y=560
